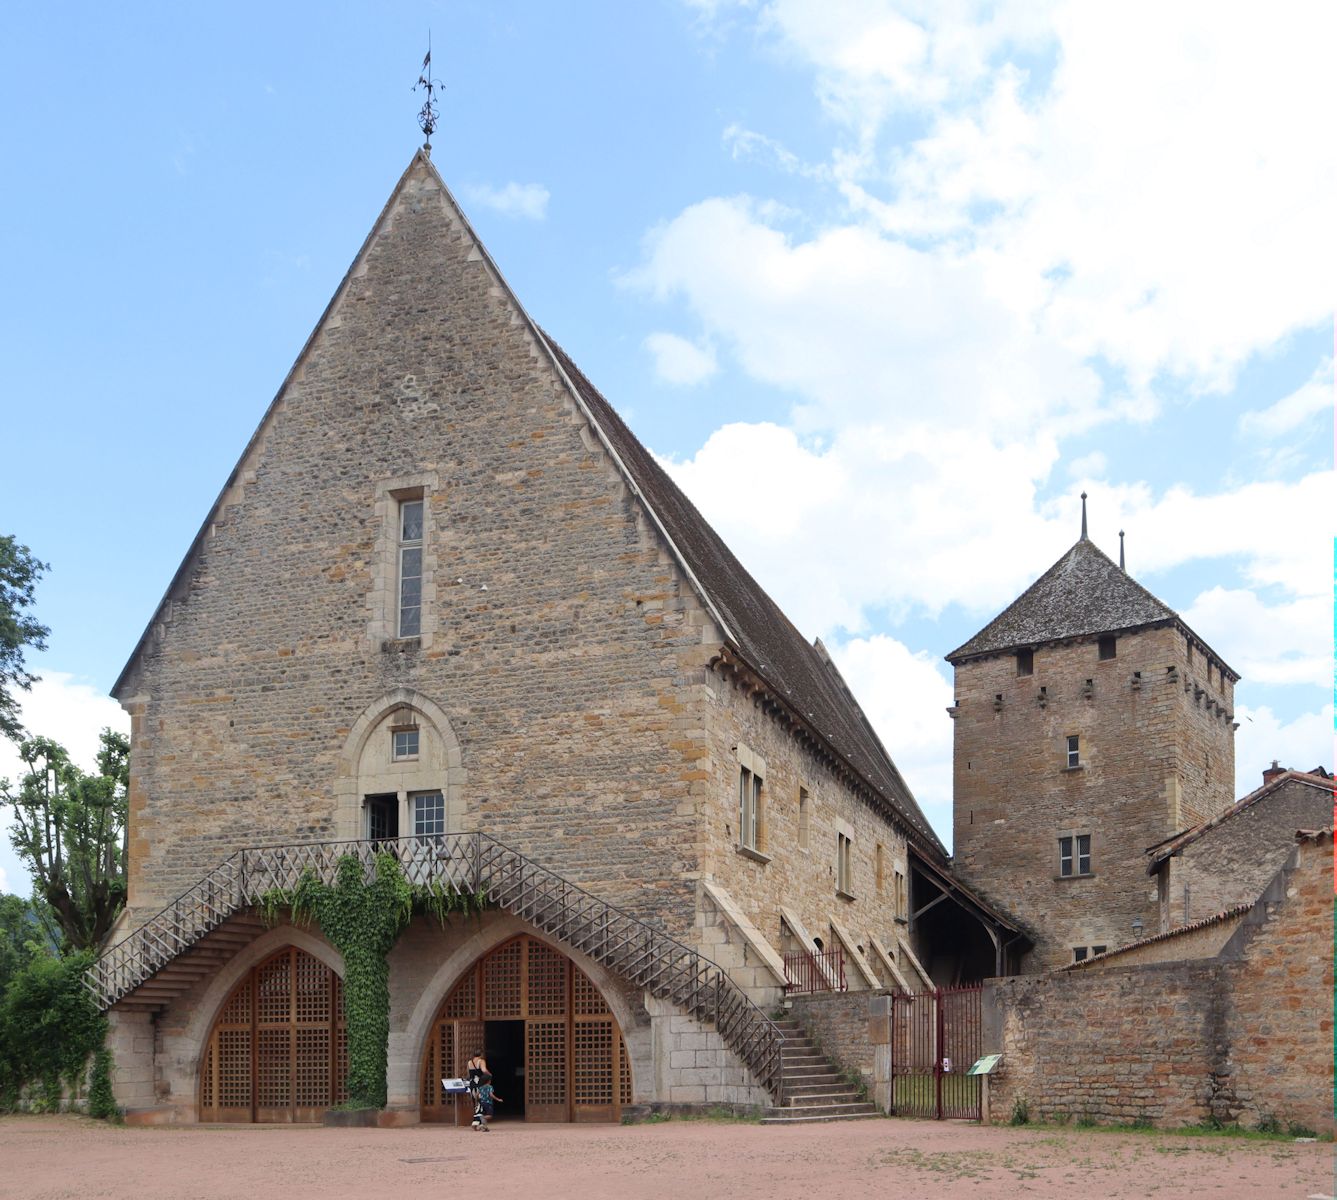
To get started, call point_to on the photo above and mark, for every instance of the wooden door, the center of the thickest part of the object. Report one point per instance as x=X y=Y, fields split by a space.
x=278 y=1052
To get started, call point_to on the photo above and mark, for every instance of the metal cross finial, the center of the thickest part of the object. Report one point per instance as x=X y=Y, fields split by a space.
x=427 y=115
x=1121 y=566
x=1083 y=516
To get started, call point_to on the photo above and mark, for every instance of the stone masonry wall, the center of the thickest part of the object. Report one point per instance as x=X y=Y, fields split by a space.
x=1143 y=743
x=839 y=1022
x=1279 y=1002
x=1115 y=1046
x=562 y=645
x=1243 y=1037
x=801 y=878
x=1232 y=863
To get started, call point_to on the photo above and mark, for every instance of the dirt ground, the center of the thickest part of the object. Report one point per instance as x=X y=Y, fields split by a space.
x=45 y=1158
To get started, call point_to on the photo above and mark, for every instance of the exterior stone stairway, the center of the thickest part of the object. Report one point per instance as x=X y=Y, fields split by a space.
x=163 y=956
x=813 y=1086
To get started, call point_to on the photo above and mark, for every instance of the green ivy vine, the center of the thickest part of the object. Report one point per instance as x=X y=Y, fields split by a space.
x=363 y=919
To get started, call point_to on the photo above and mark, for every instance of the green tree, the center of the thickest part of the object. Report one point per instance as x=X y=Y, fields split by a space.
x=19 y=573
x=27 y=931
x=70 y=831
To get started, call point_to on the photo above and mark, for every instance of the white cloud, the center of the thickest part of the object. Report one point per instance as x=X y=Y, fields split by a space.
x=1312 y=397
x=1281 y=643
x=527 y=200
x=62 y=707
x=1303 y=743
x=1169 y=184
x=905 y=696
x=679 y=361
x=1089 y=466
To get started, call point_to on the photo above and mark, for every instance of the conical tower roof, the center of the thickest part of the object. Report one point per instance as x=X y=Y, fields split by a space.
x=1084 y=594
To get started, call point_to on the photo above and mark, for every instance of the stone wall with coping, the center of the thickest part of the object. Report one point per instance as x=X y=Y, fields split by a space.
x=1245 y=1036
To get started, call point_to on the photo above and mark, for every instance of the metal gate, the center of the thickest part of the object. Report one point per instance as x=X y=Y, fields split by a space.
x=935 y=1037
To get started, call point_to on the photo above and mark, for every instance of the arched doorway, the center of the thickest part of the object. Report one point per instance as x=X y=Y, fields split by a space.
x=550 y=1036
x=278 y=1051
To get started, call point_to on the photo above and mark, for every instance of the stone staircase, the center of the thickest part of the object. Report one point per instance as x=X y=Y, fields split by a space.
x=813 y=1085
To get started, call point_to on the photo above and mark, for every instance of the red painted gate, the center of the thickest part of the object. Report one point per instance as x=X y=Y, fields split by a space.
x=935 y=1037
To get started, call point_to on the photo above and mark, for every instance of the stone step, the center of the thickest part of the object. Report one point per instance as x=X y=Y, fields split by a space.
x=829 y=1112
x=818 y=1099
x=802 y=1070
x=798 y=1056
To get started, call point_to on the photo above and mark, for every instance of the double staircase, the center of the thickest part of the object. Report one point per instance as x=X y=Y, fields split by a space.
x=170 y=951
x=813 y=1087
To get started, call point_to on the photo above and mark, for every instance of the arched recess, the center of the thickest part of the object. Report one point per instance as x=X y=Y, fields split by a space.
x=278 y=1050
x=530 y=998
x=403 y=755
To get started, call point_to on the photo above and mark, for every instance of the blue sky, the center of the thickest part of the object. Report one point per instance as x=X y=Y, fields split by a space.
x=886 y=284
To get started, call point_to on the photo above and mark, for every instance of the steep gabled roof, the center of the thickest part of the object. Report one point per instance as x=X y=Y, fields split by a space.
x=764 y=637
x=1084 y=594
x=749 y=620
x=1176 y=844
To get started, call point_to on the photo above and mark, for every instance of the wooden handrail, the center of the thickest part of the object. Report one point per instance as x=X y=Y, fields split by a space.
x=473 y=862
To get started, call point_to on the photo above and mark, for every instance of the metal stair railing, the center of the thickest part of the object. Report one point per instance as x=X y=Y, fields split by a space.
x=467 y=862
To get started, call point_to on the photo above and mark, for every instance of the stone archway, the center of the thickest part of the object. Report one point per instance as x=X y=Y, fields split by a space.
x=278 y=1049
x=575 y=1062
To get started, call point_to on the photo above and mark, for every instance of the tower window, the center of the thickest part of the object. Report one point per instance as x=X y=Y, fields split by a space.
x=803 y=818
x=1107 y=647
x=404 y=744
x=1025 y=662
x=410 y=568
x=1074 y=855
x=1074 y=751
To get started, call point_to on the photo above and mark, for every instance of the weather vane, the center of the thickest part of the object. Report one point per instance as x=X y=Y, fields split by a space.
x=427 y=116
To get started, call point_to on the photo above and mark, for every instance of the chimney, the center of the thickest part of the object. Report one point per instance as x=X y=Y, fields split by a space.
x=1273 y=772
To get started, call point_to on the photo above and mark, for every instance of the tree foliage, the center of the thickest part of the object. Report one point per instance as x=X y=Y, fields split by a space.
x=70 y=831
x=19 y=573
x=363 y=919
x=49 y=1026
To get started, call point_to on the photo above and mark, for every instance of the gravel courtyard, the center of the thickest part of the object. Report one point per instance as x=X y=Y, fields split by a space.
x=45 y=1158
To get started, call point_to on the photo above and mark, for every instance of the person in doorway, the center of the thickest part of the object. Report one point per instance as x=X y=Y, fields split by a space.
x=475 y=1068
x=484 y=1109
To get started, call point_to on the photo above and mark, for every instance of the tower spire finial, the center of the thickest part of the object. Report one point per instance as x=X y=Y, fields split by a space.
x=1121 y=566
x=1083 y=516
x=427 y=115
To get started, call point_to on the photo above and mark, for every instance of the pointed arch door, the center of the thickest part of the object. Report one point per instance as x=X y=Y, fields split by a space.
x=575 y=1061
x=278 y=1051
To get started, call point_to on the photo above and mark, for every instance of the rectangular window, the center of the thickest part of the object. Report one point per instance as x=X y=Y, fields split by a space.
x=1107 y=647
x=803 y=818
x=1074 y=751
x=1074 y=854
x=1079 y=954
x=844 y=881
x=429 y=814
x=404 y=744
x=410 y=568
x=899 y=882
x=1097 y=950
x=382 y=815
x=1025 y=662
x=749 y=809
x=877 y=867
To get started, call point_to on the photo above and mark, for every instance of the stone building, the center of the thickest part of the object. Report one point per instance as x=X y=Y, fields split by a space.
x=1227 y=861
x=1090 y=722
x=446 y=593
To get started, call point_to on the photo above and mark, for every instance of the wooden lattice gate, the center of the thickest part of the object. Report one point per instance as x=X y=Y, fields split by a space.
x=278 y=1051
x=935 y=1037
x=575 y=1062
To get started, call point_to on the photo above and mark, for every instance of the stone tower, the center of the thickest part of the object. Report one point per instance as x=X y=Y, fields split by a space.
x=1090 y=723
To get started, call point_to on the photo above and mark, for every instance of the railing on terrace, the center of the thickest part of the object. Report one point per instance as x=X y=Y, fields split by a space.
x=468 y=862
x=823 y=972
